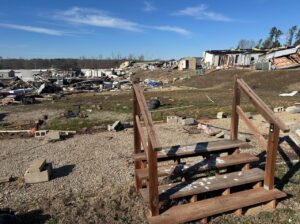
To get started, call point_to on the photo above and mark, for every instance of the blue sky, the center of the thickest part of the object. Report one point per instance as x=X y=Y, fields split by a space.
x=155 y=28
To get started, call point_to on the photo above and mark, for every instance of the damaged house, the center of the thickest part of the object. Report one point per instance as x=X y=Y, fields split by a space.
x=283 y=58
x=231 y=58
x=189 y=63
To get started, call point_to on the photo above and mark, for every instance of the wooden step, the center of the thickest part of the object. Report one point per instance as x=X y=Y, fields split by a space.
x=178 y=151
x=198 y=167
x=209 y=207
x=204 y=185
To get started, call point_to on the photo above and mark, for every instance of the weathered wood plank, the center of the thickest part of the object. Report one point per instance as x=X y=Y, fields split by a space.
x=209 y=207
x=204 y=185
x=234 y=124
x=146 y=117
x=271 y=157
x=198 y=167
x=195 y=149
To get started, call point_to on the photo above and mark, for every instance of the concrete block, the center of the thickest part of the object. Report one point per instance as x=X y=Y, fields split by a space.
x=39 y=176
x=117 y=126
x=221 y=115
x=53 y=136
x=188 y=121
x=172 y=119
x=40 y=134
x=278 y=109
x=37 y=165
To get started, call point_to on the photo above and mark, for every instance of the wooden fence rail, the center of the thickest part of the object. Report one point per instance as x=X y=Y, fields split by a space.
x=270 y=145
x=150 y=144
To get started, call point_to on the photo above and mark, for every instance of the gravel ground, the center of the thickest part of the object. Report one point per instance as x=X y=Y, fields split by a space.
x=93 y=174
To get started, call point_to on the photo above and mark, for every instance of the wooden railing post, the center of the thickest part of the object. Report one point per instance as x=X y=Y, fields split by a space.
x=137 y=138
x=271 y=156
x=153 y=180
x=234 y=115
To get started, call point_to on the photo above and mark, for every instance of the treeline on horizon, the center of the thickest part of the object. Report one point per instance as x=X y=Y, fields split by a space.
x=67 y=63
x=276 y=38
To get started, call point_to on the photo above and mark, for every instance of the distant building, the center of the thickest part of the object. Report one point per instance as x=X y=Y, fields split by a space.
x=231 y=58
x=7 y=74
x=189 y=63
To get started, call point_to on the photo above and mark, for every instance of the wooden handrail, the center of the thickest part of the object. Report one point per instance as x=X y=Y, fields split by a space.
x=266 y=112
x=141 y=134
x=252 y=127
x=146 y=117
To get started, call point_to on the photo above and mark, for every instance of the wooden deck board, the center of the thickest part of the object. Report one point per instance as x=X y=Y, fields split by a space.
x=209 y=207
x=193 y=150
x=208 y=184
x=198 y=167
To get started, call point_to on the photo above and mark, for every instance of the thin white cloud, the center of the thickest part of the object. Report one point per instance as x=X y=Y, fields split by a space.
x=148 y=7
x=32 y=29
x=97 y=18
x=201 y=12
x=174 y=29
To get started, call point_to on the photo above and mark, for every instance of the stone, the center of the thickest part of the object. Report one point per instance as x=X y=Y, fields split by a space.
x=278 y=109
x=53 y=136
x=172 y=119
x=221 y=115
x=188 y=121
x=39 y=171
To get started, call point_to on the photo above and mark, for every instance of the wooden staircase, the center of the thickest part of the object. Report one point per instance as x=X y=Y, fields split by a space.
x=219 y=179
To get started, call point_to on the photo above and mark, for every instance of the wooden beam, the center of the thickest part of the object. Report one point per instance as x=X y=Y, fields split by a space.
x=271 y=157
x=137 y=141
x=146 y=117
x=153 y=180
x=141 y=135
x=234 y=115
x=265 y=111
x=252 y=128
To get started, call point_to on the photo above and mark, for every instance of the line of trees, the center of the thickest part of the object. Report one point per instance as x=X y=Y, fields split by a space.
x=67 y=63
x=273 y=39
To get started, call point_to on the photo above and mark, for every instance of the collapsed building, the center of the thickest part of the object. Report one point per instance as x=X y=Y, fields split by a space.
x=282 y=58
x=231 y=58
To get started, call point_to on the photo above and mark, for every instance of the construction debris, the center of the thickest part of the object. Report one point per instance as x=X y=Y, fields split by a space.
x=52 y=136
x=293 y=93
x=278 y=109
x=38 y=171
x=293 y=109
x=221 y=115
x=117 y=126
